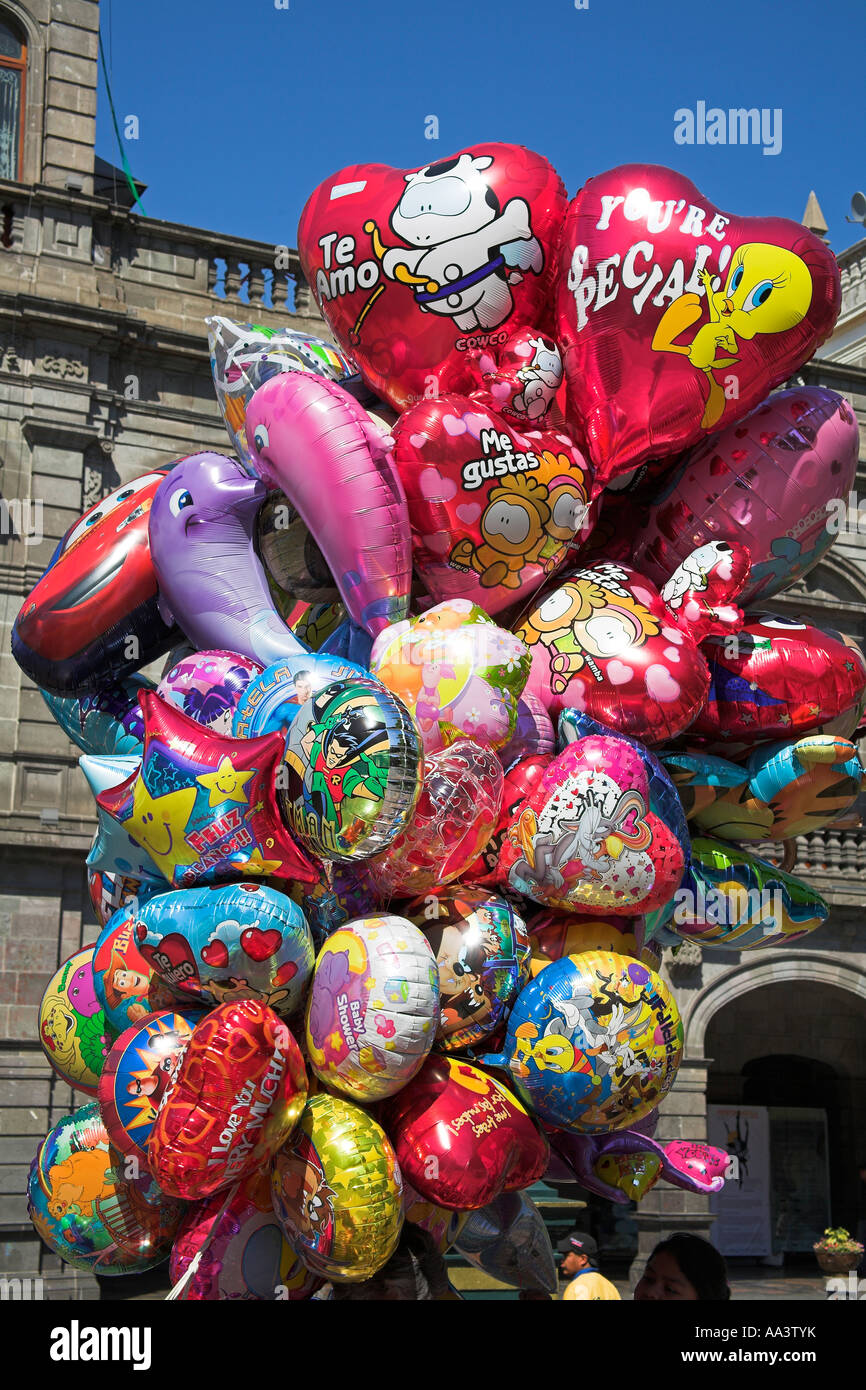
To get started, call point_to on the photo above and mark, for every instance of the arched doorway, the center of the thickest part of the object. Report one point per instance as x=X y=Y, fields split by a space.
x=794 y=1050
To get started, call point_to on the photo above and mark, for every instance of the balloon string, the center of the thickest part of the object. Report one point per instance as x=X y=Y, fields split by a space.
x=177 y=1290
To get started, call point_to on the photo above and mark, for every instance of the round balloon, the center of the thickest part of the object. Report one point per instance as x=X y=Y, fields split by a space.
x=594 y=1042
x=209 y=686
x=271 y=701
x=72 y=1025
x=482 y=953
x=88 y=1210
x=454 y=819
x=456 y=671
x=509 y=1241
x=109 y=892
x=219 y=943
x=234 y=1096
x=373 y=1008
x=553 y=935
x=243 y=1253
x=338 y=1193
x=126 y=985
x=136 y=1074
x=533 y=735
x=352 y=770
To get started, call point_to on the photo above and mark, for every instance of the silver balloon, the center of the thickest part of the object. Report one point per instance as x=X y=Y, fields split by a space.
x=508 y=1240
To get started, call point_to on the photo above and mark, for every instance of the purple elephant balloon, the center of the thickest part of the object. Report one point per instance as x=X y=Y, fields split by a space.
x=684 y=1163
x=311 y=439
x=210 y=577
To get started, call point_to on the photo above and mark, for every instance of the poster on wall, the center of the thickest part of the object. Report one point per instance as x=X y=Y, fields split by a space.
x=742 y=1209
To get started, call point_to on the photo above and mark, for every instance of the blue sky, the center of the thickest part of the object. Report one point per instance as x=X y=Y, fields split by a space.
x=243 y=107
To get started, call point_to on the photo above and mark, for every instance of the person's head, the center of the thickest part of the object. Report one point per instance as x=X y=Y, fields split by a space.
x=684 y=1269
x=579 y=1251
x=416 y=1271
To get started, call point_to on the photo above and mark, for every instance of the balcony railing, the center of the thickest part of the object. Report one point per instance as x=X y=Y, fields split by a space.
x=834 y=852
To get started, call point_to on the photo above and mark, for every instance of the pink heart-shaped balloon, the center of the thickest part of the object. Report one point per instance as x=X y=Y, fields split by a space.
x=415 y=270
x=512 y=504
x=678 y=319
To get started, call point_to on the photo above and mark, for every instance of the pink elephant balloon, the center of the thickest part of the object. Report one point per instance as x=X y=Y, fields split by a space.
x=770 y=481
x=311 y=439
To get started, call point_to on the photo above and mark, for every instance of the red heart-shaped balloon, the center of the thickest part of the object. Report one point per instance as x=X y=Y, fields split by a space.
x=215 y=954
x=493 y=510
x=410 y=268
x=461 y=1137
x=678 y=319
x=258 y=944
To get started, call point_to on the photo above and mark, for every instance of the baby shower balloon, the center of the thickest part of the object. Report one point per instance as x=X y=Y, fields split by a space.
x=373 y=1008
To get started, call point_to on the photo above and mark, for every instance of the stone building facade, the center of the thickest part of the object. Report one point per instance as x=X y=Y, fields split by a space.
x=104 y=373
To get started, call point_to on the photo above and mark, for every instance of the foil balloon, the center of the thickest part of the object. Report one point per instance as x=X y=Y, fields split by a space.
x=345 y=891
x=92 y=618
x=113 y=850
x=662 y=301
x=314 y=442
x=337 y=1191
x=104 y=721
x=520 y=781
x=593 y=1043
x=553 y=935
x=456 y=672
x=586 y=838
x=211 y=580
x=778 y=481
x=219 y=943
x=241 y=1251
x=783 y=679
x=351 y=770
x=784 y=790
x=72 y=1026
x=209 y=686
x=461 y=1137
x=127 y=986
x=732 y=900
x=455 y=815
x=414 y=269
x=533 y=735
x=86 y=1207
x=203 y=806
x=509 y=1241
x=234 y=1097
x=520 y=376
x=373 y=1008
x=623 y=1166
x=136 y=1073
x=443 y=1226
x=271 y=700
x=493 y=510
x=244 y=356
x=109 y=891
x=607 y=642
x=482 y=955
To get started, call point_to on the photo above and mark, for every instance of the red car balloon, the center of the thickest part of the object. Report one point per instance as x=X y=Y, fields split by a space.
x=411 y=268
x=99 y=592
x=606 y=642
x=461 y=1138
x=783 y=679
x=778 y=482
x=677 y=319
x=492 y=510
x=234 y=1098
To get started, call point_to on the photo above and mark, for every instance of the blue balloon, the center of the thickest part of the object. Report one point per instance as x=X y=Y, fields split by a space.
x=272 y=699
x=105 y=721
x=113 y=851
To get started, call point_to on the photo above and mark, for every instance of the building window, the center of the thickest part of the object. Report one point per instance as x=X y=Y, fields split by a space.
x=13 y=62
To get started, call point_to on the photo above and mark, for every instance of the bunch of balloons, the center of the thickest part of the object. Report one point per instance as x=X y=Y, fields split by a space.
x=384 y=880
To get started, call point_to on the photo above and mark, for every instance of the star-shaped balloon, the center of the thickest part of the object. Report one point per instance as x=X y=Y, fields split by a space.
x=113 y=850
x=203 y=806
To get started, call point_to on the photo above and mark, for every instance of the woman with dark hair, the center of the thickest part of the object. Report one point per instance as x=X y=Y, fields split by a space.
x=684 y=1268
